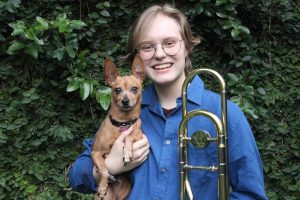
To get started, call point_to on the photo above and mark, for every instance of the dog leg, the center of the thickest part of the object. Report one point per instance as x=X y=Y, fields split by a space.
x=102 y=172
x=127 y=151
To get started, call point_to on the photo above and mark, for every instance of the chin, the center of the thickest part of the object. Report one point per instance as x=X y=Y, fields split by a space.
x=163 y=81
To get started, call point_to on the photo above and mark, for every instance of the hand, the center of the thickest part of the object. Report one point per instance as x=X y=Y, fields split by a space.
x=114 y=161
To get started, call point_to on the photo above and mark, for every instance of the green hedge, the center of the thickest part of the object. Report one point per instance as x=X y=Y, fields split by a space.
x=52 y=92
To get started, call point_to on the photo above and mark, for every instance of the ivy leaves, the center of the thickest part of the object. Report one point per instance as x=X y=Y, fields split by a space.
x=86 y=88
x=34 y=38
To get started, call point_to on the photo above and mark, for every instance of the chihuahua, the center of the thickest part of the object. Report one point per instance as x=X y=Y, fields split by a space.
x=124 y=112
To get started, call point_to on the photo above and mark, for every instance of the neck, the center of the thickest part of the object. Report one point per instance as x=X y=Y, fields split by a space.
x=169 y=92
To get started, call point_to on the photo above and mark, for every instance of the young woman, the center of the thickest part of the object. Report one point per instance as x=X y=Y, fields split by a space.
x=163 y=39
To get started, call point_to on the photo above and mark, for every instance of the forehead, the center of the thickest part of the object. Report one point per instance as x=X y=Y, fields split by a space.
x=159 y=28
x=126 y=82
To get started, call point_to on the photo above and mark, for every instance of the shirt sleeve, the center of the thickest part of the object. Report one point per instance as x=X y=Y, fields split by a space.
x=245 y=166
x=81 y=173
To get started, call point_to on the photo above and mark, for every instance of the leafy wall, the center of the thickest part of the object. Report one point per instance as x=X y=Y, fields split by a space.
x=52 y=93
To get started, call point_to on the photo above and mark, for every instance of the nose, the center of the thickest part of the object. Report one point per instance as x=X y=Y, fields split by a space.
x=159 y=51
x=125 y=101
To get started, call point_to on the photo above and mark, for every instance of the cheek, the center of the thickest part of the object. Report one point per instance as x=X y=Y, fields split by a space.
x=147 y=69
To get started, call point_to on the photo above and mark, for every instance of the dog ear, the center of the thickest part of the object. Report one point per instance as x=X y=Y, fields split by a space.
x=110 y=71
x=138 y=68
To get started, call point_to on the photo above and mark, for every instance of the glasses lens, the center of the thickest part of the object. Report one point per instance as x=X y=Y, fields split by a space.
x=146 y=51
x=172 y=47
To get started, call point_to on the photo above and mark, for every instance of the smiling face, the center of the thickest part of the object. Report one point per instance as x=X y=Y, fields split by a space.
x=162 y=68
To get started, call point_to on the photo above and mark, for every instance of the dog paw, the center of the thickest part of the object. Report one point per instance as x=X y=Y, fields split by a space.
x=102 y=192
x=127 y=158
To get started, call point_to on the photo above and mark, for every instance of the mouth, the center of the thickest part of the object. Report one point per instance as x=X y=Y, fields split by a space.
x=126 y=108
x=162 y=66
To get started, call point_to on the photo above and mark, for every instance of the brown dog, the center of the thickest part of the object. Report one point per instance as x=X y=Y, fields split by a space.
x=124 y=112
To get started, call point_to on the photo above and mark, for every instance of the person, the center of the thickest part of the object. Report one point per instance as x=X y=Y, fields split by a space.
x=163 y=39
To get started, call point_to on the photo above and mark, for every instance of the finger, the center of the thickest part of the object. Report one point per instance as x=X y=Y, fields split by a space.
x=141 y=143
x=141 y=158
x=141 y=153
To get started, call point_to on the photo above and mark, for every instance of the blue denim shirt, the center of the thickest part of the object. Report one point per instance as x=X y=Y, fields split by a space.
x=158 y=177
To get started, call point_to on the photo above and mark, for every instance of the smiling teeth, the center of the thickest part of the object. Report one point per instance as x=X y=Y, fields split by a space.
x=163 y=66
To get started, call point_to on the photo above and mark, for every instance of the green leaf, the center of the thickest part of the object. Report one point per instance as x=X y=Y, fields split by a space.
x=77 y=24
x=32 y=50
x=103 y=97
x=43 y=24
x=73 y=85
x=220 y=2
x=246 y=58
x=84 y=90
x=15 y=46
x=12 y=5
x=105 y=101
x=59 y=53
x=31 y=189
x=94 y=15
x=105 y=13
x=261 y=91
x=207 y=13
x=233 y=77
x=18 y=27
x=221 y=15
x=101 y=21
x=106 y=4
x=235 y=33
x=199 y=9
x=2 y=38
x=70 y=51
x=238 y=64
x=3 y=138
x=243 y=29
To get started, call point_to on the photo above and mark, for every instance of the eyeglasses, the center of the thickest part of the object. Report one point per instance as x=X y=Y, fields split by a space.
x=171 y=46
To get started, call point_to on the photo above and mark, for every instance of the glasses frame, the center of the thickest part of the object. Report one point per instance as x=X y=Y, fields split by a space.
x=154 y=46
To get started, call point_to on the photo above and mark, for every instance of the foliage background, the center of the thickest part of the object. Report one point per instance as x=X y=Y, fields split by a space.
x=49 y=49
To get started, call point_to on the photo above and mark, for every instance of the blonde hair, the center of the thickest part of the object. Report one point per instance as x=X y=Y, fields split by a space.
x=167 y=10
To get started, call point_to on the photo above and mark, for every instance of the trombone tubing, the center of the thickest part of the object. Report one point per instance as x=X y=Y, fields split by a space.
x=223 y=184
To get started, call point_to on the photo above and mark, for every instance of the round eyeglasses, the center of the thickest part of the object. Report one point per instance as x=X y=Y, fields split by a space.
x=170 y=46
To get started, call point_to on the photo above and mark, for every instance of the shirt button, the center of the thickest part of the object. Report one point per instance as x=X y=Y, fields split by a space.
x=168 y=142
x=163 y=170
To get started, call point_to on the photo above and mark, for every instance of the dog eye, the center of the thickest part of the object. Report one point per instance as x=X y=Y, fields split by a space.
x=134 y=90
x=118 y=90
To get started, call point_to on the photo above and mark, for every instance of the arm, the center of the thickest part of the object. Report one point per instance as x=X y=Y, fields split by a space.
x=83 y=177
x=245 y=167
x=81 y=173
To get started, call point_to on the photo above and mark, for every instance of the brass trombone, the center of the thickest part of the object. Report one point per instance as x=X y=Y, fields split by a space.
x=202 y=138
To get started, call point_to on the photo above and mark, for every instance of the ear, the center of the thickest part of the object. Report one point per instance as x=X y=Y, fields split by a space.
x=138 y=68
x=110 y=71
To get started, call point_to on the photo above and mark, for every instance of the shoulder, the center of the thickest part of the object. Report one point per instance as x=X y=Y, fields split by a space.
x=235 y=116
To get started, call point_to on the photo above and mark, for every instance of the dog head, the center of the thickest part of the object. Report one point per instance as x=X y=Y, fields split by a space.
x=126 y=90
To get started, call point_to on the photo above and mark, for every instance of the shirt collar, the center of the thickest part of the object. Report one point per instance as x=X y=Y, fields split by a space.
x=195 y=92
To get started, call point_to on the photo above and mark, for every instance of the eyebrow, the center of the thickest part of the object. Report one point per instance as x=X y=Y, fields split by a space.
x=151 y=42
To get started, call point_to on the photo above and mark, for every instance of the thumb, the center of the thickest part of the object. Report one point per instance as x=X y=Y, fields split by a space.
x=124 y=134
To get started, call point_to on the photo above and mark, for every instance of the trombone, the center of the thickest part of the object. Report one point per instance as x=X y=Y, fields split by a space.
x=202 y=138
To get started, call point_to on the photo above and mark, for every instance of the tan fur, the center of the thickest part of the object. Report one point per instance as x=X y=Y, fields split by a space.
x=125 y=105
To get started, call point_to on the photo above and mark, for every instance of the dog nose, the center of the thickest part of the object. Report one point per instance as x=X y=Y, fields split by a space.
x=125 y=101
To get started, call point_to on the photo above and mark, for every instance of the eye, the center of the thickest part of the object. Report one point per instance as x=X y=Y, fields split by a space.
x=117 y=90
x=169 y=43
x=146 y=47
x=134 y=89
